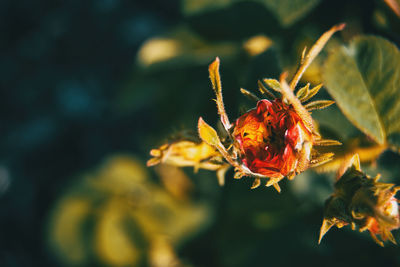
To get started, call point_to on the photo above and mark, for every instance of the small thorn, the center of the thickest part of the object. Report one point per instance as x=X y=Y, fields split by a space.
x=326 y=225
x=277 y=187
x=291 y=176
x=256 y=183
x=355 y=162
x=196 y=168
x=379 y=242
x=237 y=175
x=391 y=238
x=273 y=181
x=221 y=175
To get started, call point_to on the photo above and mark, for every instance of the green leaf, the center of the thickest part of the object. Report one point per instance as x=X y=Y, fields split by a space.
x=311 y=93
x=364 y=79
x=303 y=92
x=286 y=11
x=289 y=11
x=273 y=84
x=249 y=95
x=318 y=104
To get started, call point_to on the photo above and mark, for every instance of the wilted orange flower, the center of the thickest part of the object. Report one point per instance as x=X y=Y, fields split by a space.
x=364 y=203
x=270 y=138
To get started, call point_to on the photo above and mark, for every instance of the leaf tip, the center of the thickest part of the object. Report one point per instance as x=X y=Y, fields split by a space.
x=326 y=225
x=355 y=162
x=340 y=26
x=200 y=123
x=283 y=76
x=214 y=64
x=153 y=161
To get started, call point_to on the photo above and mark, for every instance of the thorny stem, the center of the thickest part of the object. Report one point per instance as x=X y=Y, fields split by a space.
x=216 y=84
x=314 y=51
x=288 y=94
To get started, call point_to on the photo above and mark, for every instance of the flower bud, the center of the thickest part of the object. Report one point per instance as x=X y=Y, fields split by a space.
x=364 y=203
x=271 y=137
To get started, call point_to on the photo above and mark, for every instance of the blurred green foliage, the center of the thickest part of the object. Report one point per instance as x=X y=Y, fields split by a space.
x=286 y=11
x=118 y=217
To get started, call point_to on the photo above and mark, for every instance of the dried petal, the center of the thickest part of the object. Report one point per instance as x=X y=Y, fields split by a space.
x=273 y=84
x=256 y=183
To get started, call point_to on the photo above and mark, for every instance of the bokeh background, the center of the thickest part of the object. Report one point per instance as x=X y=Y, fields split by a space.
x=87 y=88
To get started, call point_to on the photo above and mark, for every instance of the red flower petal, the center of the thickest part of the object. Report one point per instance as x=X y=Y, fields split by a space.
x=268 y=137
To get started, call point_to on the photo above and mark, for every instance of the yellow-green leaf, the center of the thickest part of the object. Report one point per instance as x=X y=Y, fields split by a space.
x=249 y=94
x=303 y=92
x=208 y=134
x=273 y=84
x=364 y=79
x=311 y=93
x=318 y=104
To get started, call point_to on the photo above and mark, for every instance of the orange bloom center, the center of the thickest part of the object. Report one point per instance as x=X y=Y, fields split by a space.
x=391 y=211
x=270 y=137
